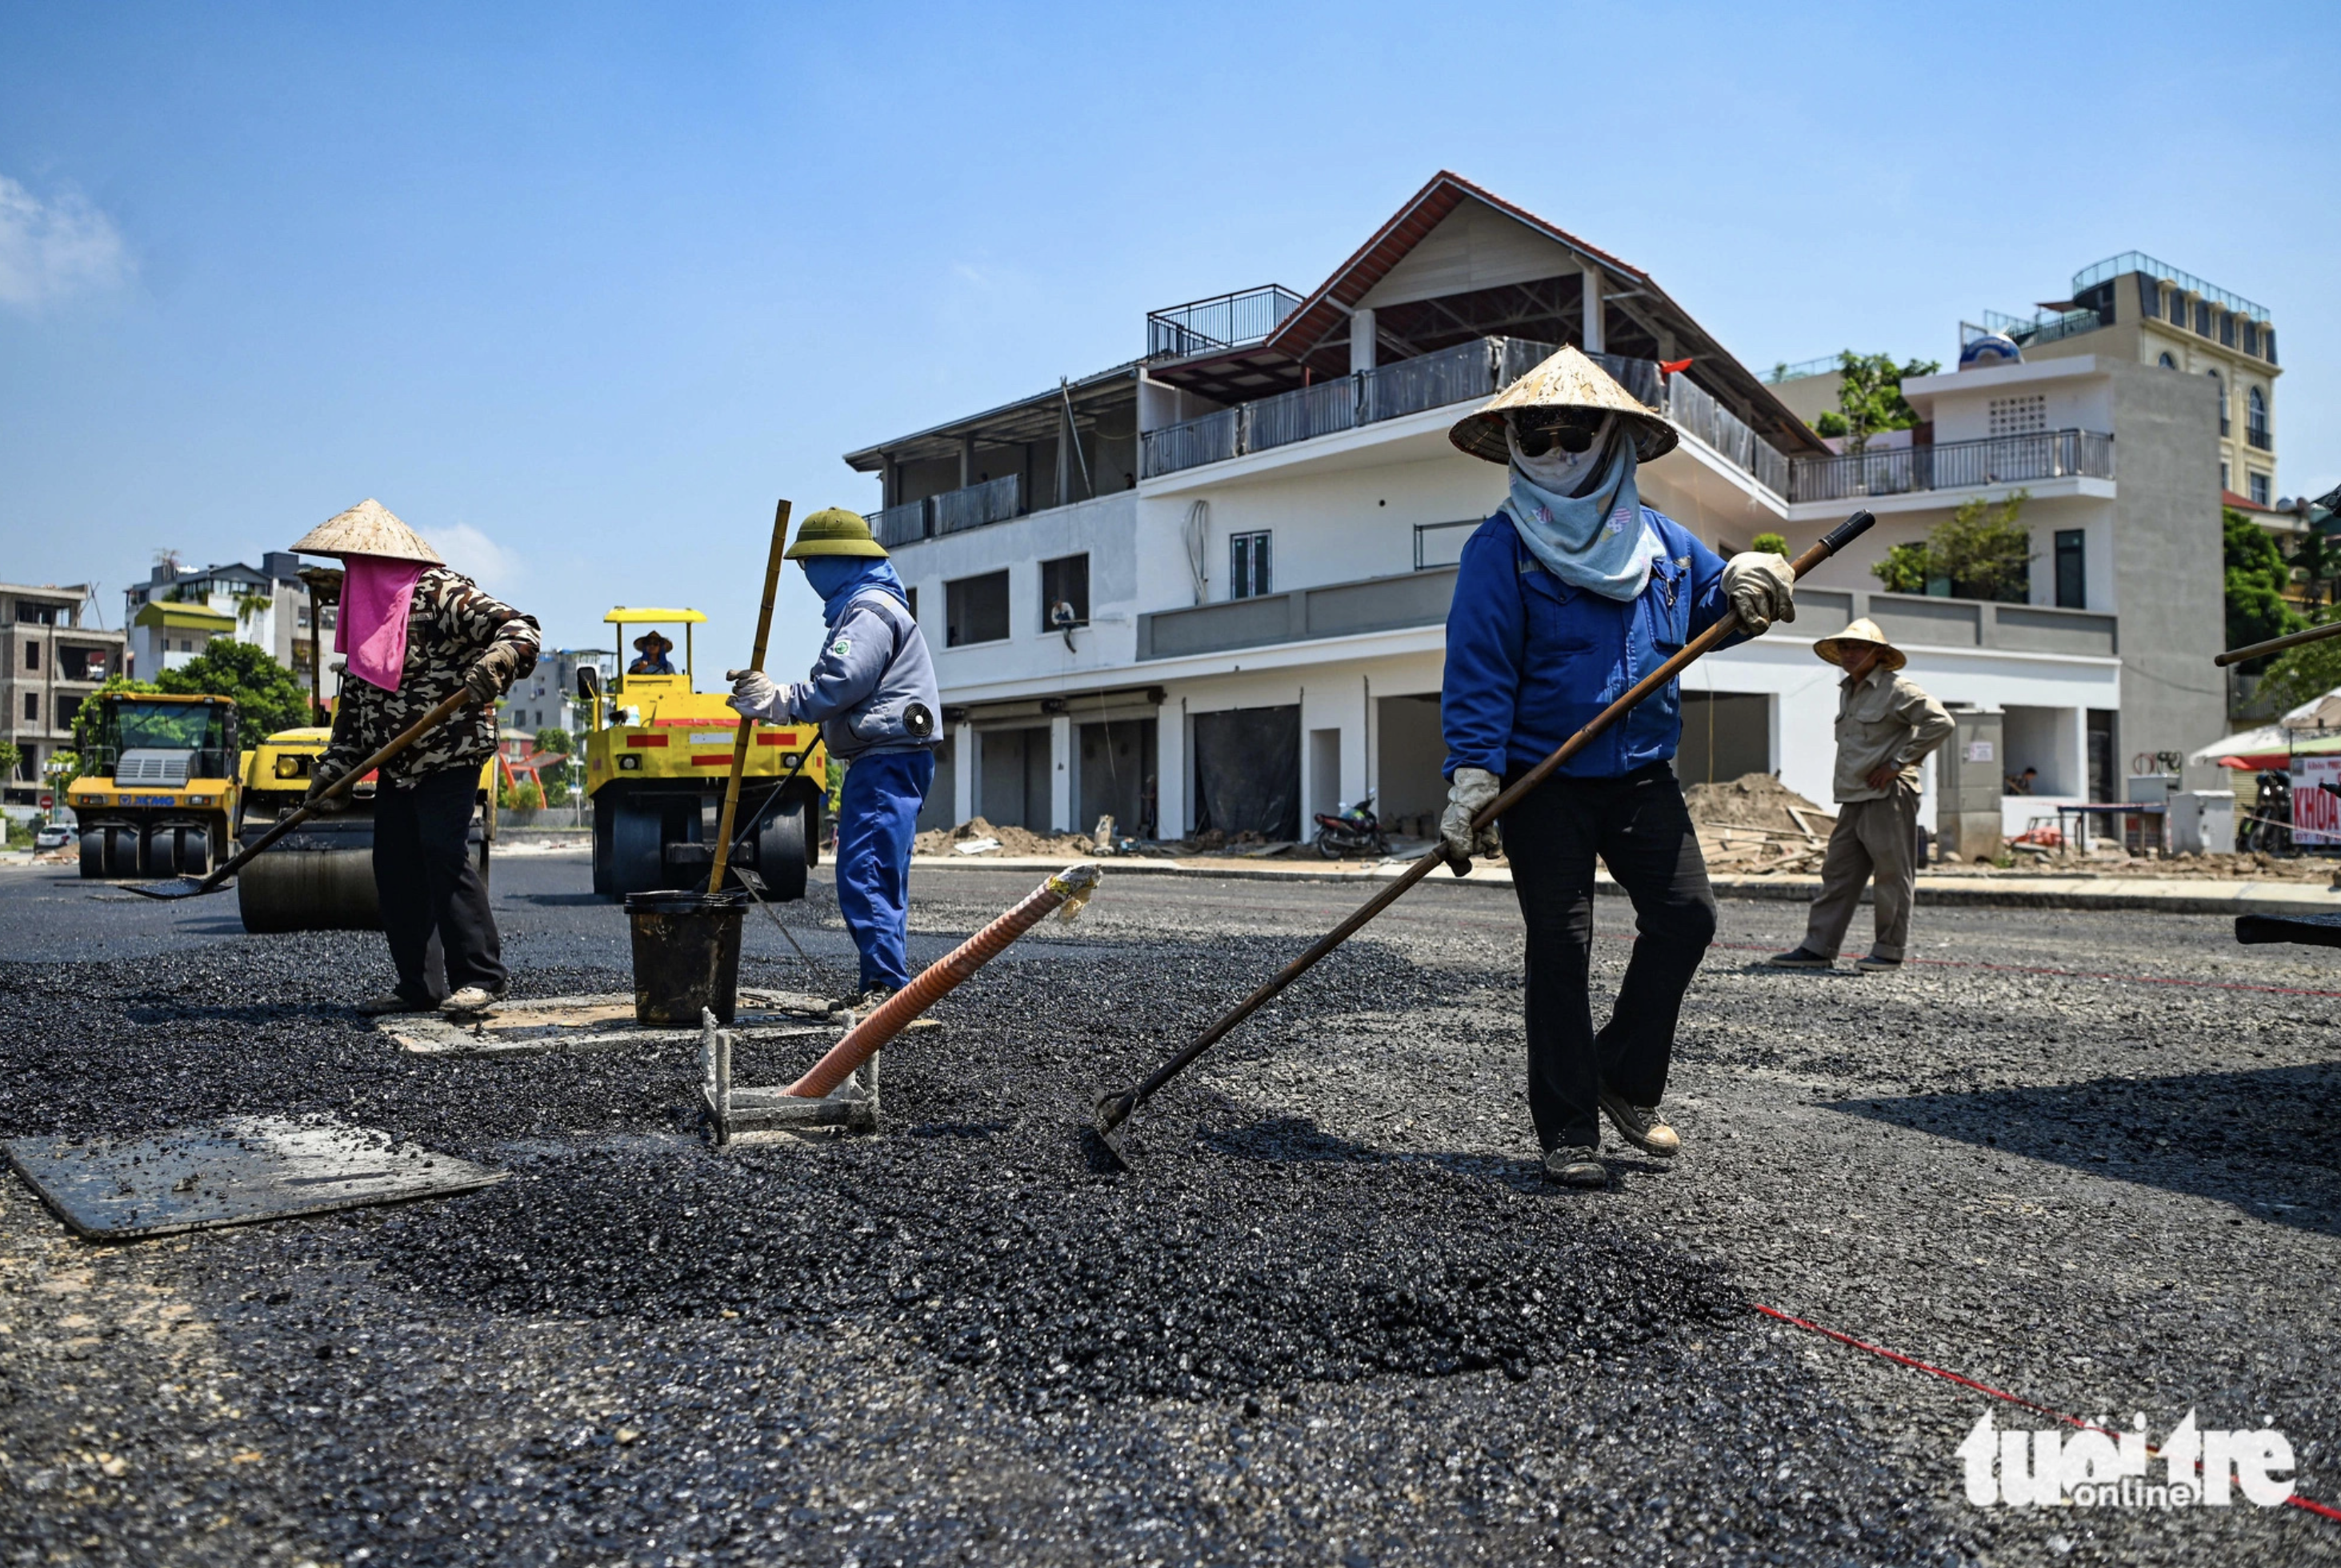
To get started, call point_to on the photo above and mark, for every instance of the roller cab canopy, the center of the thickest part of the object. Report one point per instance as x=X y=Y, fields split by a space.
x=652 y=687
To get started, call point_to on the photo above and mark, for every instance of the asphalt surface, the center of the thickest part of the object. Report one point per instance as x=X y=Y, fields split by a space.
x=1334 y=1317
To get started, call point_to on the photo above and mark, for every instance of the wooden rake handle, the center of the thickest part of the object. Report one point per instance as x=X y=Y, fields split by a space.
x=775 y=561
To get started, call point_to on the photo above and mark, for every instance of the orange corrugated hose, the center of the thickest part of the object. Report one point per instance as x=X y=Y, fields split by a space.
x=1073 y=883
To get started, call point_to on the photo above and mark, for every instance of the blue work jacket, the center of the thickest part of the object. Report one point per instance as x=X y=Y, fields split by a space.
x=1531 y=659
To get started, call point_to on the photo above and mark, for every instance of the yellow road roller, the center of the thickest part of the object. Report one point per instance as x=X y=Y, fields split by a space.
x=658 y=754
x=162 y=786
x=320 y=876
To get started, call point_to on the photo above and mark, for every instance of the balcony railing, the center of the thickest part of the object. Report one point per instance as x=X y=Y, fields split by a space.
x=1464 y=374
x=1222 y=321
x=1953 y=465
x=898 y=525
x=993 y=501
x=2258 y=438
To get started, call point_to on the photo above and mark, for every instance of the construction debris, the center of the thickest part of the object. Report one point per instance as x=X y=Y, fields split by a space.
x=967 y=839
x=1755 y=824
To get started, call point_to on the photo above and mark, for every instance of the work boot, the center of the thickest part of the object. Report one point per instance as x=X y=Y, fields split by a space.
x=1799 y=957
x=1873 y=963
x=474 y=999
x=1575 y=1166
x=396 y=1001
x=1640 y=1126
x=865 y=1003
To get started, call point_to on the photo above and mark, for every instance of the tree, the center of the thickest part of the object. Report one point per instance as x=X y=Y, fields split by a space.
x=1770 y=544
x=1984 y=550
x=268 y=697
x=12 y=756
x=1869 y=396
x=1981 y=550
x=2301 y=674
x=553 y=738
x=556 y=791
x=2256 y=579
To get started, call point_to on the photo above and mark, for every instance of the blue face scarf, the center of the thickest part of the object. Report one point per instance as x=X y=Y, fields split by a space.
x=838 y=578
x=1596 y=540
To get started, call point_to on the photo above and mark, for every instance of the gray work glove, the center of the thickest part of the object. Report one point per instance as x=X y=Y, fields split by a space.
x=1760 y=588
x=754 y=695
x=1468 y=794
x=492 y=675
x=317 y=800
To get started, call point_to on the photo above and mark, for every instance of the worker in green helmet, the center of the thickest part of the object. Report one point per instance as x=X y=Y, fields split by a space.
x=873 y=692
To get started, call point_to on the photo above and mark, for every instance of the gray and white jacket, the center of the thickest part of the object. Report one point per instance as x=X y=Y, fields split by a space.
x=874 y=688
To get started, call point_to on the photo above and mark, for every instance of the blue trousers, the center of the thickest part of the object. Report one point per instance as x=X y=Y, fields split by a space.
x=877 y=811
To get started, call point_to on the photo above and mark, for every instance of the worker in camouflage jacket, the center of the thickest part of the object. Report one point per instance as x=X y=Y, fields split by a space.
x=412 y=634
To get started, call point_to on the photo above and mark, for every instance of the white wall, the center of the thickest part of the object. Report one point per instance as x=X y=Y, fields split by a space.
x=1104 y=529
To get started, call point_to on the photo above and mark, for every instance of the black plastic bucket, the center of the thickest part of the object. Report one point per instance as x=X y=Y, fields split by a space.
x=686 y=955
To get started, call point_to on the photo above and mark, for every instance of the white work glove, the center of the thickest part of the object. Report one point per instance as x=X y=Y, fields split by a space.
x=1468 y=795
x=1760 y=588
x=754 y=695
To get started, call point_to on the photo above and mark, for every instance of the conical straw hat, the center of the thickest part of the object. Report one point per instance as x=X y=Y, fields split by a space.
x=1862 y=630
x=1567 y=380
x=368 y=527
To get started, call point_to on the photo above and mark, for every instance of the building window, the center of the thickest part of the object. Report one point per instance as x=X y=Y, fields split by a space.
x=68 y=708
x=1247 y=565
x=2258 y=481
x=2019 y=415
x=913 y=592
x=301 y=617
x=2165 y=362
x=1064 y=592
x=2177 y=308
x=33 y=707
x=975 y=609
x=32 y=656
x=2228 y=329
x=2202 y=318
x=2219 y=381
x=2255 y=426
x=2072 y=579
x=2267 y=345
x=2225 y=487
x=327 y=615
x=2149 y=298
x=2252 y=338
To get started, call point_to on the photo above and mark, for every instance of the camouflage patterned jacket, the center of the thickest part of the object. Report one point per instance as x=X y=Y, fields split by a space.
x=449 y=626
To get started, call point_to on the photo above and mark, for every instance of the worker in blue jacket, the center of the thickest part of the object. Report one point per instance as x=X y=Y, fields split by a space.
x=1572 y=592
x=873 y=692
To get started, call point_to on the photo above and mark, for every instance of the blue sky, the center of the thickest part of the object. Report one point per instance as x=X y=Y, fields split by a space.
x=581 y=290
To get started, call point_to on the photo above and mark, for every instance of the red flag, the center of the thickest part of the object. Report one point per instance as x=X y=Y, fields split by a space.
x=1674 y=367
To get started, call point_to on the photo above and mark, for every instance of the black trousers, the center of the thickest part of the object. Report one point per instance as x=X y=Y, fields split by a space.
x=1639 y=828
x=423 y=875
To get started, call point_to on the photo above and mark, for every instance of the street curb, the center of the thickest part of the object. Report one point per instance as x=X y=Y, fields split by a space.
x=2165 y=896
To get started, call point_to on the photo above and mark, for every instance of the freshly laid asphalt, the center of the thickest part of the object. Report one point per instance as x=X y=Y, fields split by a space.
x=1333 y=1317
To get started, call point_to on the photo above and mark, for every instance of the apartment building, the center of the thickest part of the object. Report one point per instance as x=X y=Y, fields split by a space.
x=1207 y=588
x=49 y=664
x=178 y=612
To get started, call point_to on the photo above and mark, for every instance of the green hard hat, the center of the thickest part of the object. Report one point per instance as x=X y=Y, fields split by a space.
x=834 y=531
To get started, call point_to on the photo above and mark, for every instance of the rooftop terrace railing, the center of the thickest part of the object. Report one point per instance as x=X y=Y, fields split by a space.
x=1221 y=322
x=2090 y=277
x=895 y=526
x=993 y=501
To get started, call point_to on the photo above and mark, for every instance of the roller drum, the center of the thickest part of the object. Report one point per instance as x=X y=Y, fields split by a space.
x=309 y=890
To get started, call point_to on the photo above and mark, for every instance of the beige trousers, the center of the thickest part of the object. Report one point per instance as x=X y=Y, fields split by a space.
x=1872 y=837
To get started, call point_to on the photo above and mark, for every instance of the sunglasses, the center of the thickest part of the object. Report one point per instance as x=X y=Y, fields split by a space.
x=1539 y=430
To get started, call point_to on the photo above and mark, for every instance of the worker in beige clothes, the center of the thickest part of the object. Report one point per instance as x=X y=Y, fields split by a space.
x=1885 y=725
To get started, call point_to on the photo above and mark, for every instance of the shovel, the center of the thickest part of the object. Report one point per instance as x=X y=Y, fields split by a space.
x=196 y=886
x=1114 y=1106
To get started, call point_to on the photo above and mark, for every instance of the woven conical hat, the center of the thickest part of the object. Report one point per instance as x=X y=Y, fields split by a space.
x=368 y=527
x=1862 y=630
x=1567 y=379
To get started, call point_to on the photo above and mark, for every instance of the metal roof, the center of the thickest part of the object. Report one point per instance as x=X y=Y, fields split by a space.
x=1033 y=418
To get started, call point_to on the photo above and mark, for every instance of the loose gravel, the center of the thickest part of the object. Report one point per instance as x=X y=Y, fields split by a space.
x=1334 y=1316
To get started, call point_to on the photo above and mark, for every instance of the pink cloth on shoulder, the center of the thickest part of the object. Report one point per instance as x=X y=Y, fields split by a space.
x=378 y=592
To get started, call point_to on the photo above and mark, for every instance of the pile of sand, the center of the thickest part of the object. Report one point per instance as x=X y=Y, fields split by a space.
x=1012 y=840
x=1755 y=800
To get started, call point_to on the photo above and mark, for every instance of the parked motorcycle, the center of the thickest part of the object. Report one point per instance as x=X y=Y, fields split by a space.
x=1354 y=831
